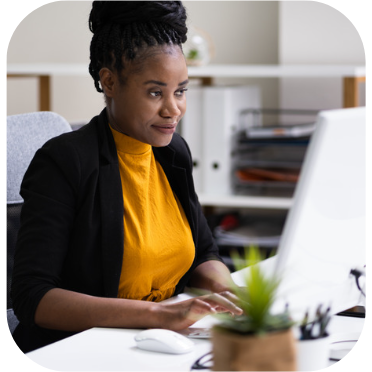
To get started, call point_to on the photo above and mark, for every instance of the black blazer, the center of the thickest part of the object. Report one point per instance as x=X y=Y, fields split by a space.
x=71 y=233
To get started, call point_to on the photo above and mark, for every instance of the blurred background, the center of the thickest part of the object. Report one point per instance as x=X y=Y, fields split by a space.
x=242 y=32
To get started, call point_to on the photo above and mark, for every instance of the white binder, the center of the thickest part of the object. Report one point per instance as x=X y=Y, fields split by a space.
x=210 y=121
x=192 y=132
x=222 y=106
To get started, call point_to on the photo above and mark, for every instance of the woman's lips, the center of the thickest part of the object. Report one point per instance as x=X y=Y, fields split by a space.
x=166 y=128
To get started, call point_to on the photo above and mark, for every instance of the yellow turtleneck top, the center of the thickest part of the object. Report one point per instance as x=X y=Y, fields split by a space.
x=158 y=244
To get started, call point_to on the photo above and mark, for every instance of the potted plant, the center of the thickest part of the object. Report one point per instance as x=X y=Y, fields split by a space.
x=257 y=340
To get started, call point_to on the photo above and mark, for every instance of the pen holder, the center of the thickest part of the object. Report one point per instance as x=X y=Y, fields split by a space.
x=313 y=354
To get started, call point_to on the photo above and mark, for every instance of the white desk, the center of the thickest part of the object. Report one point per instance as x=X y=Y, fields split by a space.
x=104 y=349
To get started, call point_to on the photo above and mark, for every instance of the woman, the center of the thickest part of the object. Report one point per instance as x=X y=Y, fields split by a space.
x=111 y=224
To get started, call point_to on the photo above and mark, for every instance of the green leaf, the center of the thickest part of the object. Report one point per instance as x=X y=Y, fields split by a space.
x=256 y=298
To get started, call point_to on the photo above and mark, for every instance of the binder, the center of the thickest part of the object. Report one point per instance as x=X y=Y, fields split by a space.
x=192 y=132
x=221 y=109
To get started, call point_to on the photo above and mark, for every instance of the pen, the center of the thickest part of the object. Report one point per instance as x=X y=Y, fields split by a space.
x=318 y=327
x=303 y=326
x=316 y=330
x=324 y=322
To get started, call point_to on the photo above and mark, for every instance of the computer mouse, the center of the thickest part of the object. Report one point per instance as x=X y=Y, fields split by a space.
x=163 y=341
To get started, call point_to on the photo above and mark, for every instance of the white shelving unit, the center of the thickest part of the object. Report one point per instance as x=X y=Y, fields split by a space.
x=278 y=71
x=351 y=75
x=238 y=201
x=213 y=71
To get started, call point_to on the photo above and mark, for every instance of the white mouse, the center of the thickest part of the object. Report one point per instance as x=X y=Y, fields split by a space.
x=163 y=341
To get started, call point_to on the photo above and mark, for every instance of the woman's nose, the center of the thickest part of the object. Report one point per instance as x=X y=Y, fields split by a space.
x=170 y=108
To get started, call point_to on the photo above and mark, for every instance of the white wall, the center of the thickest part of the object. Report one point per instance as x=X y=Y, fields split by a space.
x=243 y=32
x=311 y=32
x=56 y=32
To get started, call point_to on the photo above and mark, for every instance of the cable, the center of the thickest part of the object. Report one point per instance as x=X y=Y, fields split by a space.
x=357 y=273
x=201 y=363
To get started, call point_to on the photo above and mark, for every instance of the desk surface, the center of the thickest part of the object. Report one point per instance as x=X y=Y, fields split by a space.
x=105 y=349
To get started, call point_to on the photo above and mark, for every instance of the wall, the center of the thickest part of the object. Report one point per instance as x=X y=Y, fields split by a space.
x=242 y=31
x=55 y=33
x=311 y=32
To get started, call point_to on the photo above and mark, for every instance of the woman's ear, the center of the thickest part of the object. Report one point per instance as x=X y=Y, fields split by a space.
x=107 y=79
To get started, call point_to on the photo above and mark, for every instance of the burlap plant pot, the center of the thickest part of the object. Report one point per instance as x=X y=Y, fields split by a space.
x=275 y=351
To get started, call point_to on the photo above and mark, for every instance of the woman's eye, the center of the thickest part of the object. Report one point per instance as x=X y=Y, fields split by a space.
x=181 y=92
x=156 y=94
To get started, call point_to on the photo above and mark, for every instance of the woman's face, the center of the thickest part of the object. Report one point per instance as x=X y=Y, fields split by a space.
x=151 y=101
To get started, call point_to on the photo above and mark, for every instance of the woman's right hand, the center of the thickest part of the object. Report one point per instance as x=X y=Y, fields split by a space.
x=181 y=315
x=65 y=310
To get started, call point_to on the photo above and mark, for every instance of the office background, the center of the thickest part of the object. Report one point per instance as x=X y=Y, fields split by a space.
x=243 y=32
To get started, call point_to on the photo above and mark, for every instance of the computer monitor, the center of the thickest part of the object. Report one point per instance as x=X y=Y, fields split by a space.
x=324 y=233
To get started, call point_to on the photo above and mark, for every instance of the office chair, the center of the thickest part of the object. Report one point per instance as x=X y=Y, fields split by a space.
x=26 y=133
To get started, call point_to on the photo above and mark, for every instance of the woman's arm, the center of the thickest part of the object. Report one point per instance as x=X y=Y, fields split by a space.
x=211 y=275
x=64 y=310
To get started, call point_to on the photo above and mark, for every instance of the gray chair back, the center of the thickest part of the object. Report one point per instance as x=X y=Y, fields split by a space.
x=26 y=133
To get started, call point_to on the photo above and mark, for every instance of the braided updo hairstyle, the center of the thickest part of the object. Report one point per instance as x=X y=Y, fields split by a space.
x=122 y=29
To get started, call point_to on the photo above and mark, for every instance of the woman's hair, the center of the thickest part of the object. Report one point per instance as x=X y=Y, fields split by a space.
x=124 y=28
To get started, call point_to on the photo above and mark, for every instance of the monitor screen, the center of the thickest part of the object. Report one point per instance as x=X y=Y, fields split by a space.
x=324 y=234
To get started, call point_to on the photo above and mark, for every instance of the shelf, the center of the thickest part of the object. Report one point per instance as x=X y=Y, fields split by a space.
x=213 y=71
x=238 y=201
x=264 y=71
x=351 y=74
x=50 y=69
